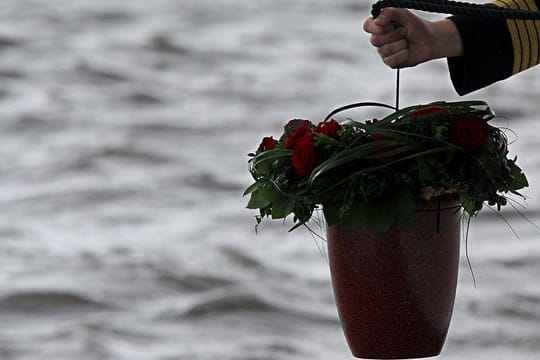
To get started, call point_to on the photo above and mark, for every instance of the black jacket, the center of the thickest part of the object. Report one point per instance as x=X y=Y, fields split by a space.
x=493 y=49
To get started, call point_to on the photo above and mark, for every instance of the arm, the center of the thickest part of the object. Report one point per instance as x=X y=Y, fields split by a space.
x=494 y=50
x=480 y=51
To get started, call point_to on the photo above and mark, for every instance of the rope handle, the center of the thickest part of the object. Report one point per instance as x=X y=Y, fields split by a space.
x=457 y=8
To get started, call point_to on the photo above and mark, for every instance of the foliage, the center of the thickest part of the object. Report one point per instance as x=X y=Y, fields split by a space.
x=371 y=173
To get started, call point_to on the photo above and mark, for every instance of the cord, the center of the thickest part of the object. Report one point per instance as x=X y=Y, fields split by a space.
x=457 y=8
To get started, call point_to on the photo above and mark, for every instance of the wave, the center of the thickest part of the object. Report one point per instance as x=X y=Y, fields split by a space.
x=230 y=303
x=164 y=44
x=524 y=307
x=50 y=301
x=240 y=258
x=208 y=181
x=225 y=303
x=165 y=129
x=119 y=154
x=109 y=16
x=502 y=338
x=144 y=98
x=525 y=261
x=514 y=308
x=8 y=42
x=4 y=94
x=11 y=74
x=131 y=154
x=192 y=282
x=102 y=74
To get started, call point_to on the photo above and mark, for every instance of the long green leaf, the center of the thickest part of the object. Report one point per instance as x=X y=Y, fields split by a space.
x=271 y=155
x=346 y=156
x=386 y=165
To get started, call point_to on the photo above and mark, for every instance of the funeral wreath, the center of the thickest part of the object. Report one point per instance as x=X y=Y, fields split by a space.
x=372 y=173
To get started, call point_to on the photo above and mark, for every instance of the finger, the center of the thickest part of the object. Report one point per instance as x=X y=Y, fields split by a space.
x=392 y=48
x=374 y=29
x=387 y=38
x=398 y=59
x=392 y=15
x=384 y=17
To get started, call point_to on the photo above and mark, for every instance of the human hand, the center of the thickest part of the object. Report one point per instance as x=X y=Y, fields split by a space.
x=404 y=39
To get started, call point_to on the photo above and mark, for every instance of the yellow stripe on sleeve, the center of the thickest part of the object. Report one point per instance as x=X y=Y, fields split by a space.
x=535 y=37
x=530 y=44
x=514 y=34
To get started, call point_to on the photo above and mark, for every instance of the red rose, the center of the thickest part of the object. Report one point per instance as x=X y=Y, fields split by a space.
x=304 y=158
x=304 y=129
x=470 y=132
x=329 y=128
x=268 y=143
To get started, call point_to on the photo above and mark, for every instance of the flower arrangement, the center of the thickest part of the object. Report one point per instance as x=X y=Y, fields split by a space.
x=372 y=173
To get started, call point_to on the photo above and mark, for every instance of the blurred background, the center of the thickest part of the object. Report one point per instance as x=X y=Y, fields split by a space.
x=124 y=130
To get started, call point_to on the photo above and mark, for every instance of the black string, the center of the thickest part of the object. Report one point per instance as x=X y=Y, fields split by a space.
x=457 y=8
x=397 y=88
x=438 y=215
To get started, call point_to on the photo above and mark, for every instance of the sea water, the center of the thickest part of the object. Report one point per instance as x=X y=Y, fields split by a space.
x=124 y=129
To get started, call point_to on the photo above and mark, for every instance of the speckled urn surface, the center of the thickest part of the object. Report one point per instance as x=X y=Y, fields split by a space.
x=395 y=291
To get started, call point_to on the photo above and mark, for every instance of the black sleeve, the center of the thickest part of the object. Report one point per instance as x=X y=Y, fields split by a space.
x=487 y=54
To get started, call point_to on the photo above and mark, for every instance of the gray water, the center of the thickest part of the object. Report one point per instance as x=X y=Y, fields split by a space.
x=124 y=129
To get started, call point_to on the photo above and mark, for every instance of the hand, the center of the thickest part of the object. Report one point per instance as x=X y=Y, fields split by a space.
x=404 y=39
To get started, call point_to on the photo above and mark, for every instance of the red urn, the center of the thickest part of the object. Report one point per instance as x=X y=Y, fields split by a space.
x=395 y=290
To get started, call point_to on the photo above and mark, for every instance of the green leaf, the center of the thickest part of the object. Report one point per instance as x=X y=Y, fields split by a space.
x=519 y=180
x=271 y=155
x=391 y=152
x=469 y=205
x=383 y=213
x=258 y=201
x=425 y=172
x=267 y=195
x=386 y=165
x=457 y=108
x=362 y=152
x=282 y=207
x=379 y=215
x=252 y=188
x=271 y=193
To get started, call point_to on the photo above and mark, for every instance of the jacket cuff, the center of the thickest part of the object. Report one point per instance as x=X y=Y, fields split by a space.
x=487 y=53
